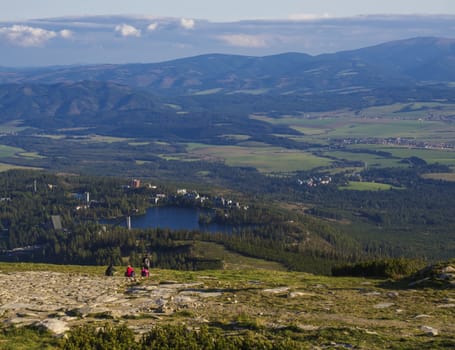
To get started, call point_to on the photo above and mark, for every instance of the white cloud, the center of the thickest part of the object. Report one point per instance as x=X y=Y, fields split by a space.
x=187 y=23
x=244 y=40
x=308 y=16
x=26 y=36
x=152 y=26
x=66 y=34
x=127 y=30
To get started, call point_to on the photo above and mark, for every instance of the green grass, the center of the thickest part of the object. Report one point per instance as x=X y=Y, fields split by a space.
x=17 y=267
x=441 y=156
x=11 y=127
x=233 y=261
x=309 y=130
x=8 y=151
x=144 y=143
x=397 y=120
x=367 y=186
x=383 y=129
x=182 y=157
x=352 y=127
x=440 y=176
x=6 y=167
x=27 y=338
x=372 y=160
x=33 y=155
x=103 y=139
x=266 y=159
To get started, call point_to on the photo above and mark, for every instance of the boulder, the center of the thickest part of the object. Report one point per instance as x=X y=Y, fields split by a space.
x=279 y=290
x=383 y=305
x=429 y=331
x=58 y=327
x=448 y=269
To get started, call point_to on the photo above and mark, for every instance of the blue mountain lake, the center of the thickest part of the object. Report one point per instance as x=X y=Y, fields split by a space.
x=174 y=218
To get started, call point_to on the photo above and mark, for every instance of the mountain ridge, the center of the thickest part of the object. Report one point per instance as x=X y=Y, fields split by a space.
x=397 y=63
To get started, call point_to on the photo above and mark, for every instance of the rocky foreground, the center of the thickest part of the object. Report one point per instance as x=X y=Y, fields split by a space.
x=357 y=312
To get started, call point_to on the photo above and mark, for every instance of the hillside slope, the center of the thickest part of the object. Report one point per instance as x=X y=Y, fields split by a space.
x=314 y=310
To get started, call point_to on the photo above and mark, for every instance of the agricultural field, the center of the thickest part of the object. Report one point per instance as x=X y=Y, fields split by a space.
x=266 y=159
x=6 y=167
x=440 y=176
x=367 y=159
x=431 y=156
x=419 y=129
x=11 y=127
x=367 y=186
x=31 y=155
x=90 y=138
x=375 y=122
x=336 y=141
x=7 y=151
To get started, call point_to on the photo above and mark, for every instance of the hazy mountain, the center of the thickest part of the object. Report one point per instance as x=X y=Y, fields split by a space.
x=205 y=97
x=80 y=104
x=417 y=58
x=146 y=39
x=399 y=63
x=112 y=109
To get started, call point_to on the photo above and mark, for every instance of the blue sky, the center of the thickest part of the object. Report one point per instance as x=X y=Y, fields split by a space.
x=62 y=32
x=220 y=10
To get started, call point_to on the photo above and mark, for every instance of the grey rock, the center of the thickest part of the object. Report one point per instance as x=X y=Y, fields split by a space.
x=383 y=305
x=308 y=327
x=57 y=327
x=300 y=294
x=429 y=330
x=210 y=294
x=448 y=269
x=371 y=294
x=279 y=290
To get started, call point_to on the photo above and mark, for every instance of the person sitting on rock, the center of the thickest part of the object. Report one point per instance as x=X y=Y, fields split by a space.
x=145 y=272
x=129 y=272
x=110 y=270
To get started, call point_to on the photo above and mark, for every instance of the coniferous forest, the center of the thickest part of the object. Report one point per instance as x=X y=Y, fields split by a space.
x=61 y=219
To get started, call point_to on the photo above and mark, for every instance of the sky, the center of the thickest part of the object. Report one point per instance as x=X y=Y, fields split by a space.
x=220 y=10
x=68 y=32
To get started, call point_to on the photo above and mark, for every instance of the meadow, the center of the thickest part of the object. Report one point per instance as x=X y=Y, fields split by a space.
x=266 y=159
x=367 y=186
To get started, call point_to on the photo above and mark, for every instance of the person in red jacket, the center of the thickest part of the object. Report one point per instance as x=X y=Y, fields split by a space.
x=129 y=271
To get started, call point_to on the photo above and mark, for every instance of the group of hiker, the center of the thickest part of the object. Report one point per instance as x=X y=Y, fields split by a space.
x=130 y=270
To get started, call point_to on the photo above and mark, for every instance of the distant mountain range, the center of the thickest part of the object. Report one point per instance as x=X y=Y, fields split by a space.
x=223 y=90
x=76 y=40
x=399 y=63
